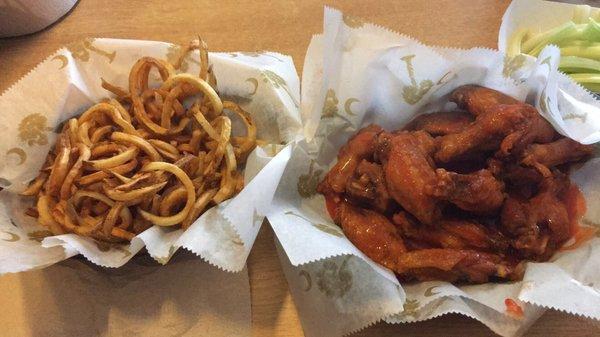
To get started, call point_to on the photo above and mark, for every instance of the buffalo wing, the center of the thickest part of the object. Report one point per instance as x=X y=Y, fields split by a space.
x=458 y=196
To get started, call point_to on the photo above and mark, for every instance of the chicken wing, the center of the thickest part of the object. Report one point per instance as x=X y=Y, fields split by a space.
x=425 y=236
x=409 y=172
x=564 y=150
x=425 y=142
x=548 y=209
x=541 y=224
x=479 y=267
x=478 y=192
x=453 y=265
x=367 y=186
x=535 y=129
x=478 y=100
x=359 y=147
x=520 y=180
x=372 y=233
x=377 y=237
x=475 y=235
x=452 y=233
x=518 y=224
x=441 y=123
x=485 y=134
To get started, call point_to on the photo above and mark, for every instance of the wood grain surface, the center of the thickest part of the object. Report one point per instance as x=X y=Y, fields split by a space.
x=285 y=26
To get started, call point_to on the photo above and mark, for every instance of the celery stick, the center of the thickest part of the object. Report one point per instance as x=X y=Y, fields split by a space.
x=575 y=64
x=590 y=81
x=551 y=36
x=578 y=43
x=514 y=44
x=587 y=78
x=581 y=13
x=593 y=87
x=590 y=31
x=566 y=33
x=585 y=32
x=591 y=52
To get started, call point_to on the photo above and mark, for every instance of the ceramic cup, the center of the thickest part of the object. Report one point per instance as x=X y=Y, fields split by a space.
x=19 y=17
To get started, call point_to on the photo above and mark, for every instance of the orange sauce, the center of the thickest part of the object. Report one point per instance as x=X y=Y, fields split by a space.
x=576 y=208
x=331 y=202
x=513 y=308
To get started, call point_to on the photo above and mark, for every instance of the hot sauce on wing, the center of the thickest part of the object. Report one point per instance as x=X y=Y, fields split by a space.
x=462 y=196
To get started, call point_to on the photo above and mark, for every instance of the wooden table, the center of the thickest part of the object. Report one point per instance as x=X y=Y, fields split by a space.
x=285 y=26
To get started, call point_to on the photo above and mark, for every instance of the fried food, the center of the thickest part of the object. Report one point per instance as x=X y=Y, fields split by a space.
x=485 y=134
x=381 y=241
x=535 y=129
x=545 y=156
x=144 y=158
x=372 y=233
x=541 y=223
x=478 y=192
x=455 y=196
x=360 y=146
x=409 y=173
x=478 y=100
x=368 y=186
x=441 y=123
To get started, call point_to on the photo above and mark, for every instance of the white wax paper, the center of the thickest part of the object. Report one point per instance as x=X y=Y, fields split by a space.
x=68 y=82
x=356 y=74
